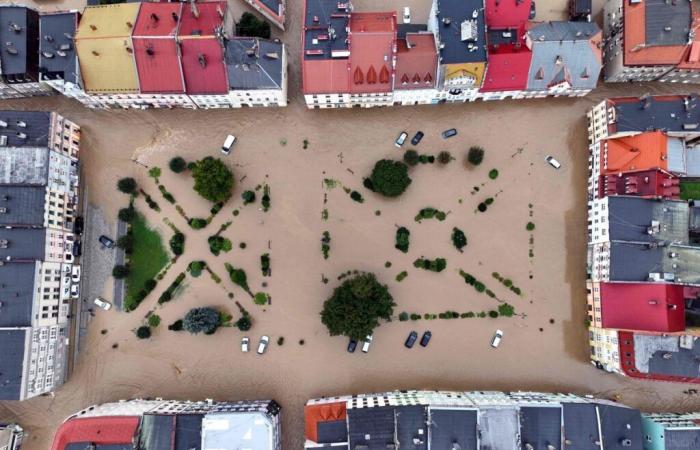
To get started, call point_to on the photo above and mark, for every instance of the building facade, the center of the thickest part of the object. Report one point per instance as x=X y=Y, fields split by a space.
x=671 y=431
x=11 y=436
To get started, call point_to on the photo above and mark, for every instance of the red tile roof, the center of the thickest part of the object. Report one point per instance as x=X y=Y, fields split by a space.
x=325 y=76
x=507 y=71
x=636 y=51
x=507 y=13
x=656 y=307
x=640 y=183
x=203 y=66
x=158 y=65
x=416 y=61
x=156 y=19
x=642 y=151
x=210 y=18
x=372 y=50
x=97 y=430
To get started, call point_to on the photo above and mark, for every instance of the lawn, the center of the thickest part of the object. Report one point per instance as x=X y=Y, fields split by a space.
x=148 y=258
x=690 y=190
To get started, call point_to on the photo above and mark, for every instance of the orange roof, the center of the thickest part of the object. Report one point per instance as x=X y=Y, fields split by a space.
x=636 y=51
x=325 y=412
x=640 y=152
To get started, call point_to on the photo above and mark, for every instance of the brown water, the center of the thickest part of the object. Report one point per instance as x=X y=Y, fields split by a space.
x=177 y=365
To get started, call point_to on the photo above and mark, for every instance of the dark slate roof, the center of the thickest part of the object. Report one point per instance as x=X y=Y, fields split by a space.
x=16 y=294
x=23 y=244
x=63 y=63
x=37 y=127
x=274 y=5
x=188 y=432
x=449 y=426
x=540 y=426
x=156 y=432
x=661 y=14
x=677 y=439
x=621 y=427
x=403 y=28
x=651 y=113
x=411 y=424
x=377 y=423
x=332 y=431
x=254 y=63
x=92 y=446
x=323 y=9
x=24 y=205
x=498 y=428
x=11 y=366
x=22 y=41
x=581 y=426
x=634 y=262
x=630 y=218
x=452 y=13
x=682 y=363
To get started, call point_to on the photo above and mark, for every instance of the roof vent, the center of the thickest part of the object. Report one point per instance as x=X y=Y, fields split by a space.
x=129 y=24
x=202 y=58
x=129 y=49
x=667 y=29
x=48 y=55
x=250 y=52
x=96 y=53
x=3 y=140
x=154 y=17
x=272 y=55
x=48 y=38
x=11 y=50
x=21 y=124
x=690 y=126
x=3 y=124
x=174 y=16
x=446 y=21
x=21 y=135
x=149 y=51
x=14 y=27
x=3 y=210
x=316 y=20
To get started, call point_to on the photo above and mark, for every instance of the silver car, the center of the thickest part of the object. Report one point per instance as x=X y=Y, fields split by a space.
x=102 y=303
x=245 y=344
x=262 y=346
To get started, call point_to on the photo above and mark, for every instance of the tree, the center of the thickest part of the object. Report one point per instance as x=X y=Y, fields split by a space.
x=251 y=26
x=411 y=157
x=390 y=178
x=212 y=179
x=126 y=243
x=126 y=185
x=444 y=157
x=402 y=239
x=143 y=332
x=459 y=239
x=177 y=244
x=127 y=214
x=475 y=155
x=248 y=197
x=356 y=307
x=177 y=164
x=201 y=320
x=120 y=271
x=261 y=298
x=530 y=226
x=175 y=326
x=239 y=277
x=154 y=172
x=153 y=320
x=244 y=323
x=506 y=310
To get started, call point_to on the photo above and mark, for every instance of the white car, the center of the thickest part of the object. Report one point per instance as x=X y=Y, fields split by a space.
x=228 y=143
x=74 y=290
x=75 y=274
x=401 y=139
x=245 y=344
x=262 y=346
x=366 y=343
x=496 y=341
x=406 y=14
x=552 y=162
x=102 y=303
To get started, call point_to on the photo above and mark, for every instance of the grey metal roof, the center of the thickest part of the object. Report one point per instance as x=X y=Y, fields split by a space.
x=449 y=426
x=12 y=343
x=677 y=439
x=56 y=39
x=34 y=124
x=634 y=262
x=651 y=113
x=254 y=63
x=450 y=16
x=691 y=160
x=664 y=355
x=498 y=428
x=540 y=426
x=18 y=32
x=562 y=51
x=17 y=294
x=667 y=23
x=23 y=244
x=621 y=427
x=630 y=218
x=581 y=426
x=377 y=423
x=24 y=205
x=24 y=166
x=322 y=10
x=237 y=430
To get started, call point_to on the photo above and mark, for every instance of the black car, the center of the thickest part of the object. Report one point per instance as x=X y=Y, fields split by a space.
x=449 y=133
x=352 y=345
x=417 y=138
x=411 y=339
x=78 y=225
x=107 y=242
x=425 y=339
x=77 y=248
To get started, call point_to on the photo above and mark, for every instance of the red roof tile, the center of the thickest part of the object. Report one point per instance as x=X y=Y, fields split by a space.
x=372 y=46
x=156 y=19
x=691 y=56
x=416 y=61
x=210 y=18
x=203 y=66
x=325 y=76
x=158 y=65
x=643 y=306
x=640 y=183
x=97 y=430
x=507 y=71
x=507 y=13
x=636 y=52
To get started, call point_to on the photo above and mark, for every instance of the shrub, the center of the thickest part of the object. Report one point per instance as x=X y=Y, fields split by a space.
x=120 y=271
x=154 y=172
x=261 y=298
x=177 y=164
x=143 y=332
x=176 y=326
x=152 y=203
x=191 y=165
x=244 y=323
x=202 y=320
x=415 y=317
x=390 y=178
x=325 y=244
x=493 y=314
x=212 y=179
x=403 y=316
x=468 y=278
x=402 y=239
x=238 y=277
x=177 y=244
x=197 y=223
x=126 y=243
x=516 y=290
x=153 y=320
x=248 y=197
x=530 y=226
x=126 y=185
x=444 y=157
x=216 y=208
x=127 y=214
x=265 y=201
x=367 y=183
x=493 y=174
x=410 y=157
x=470 y=314
x=506 y=310
x=357 y=197
x=435 y=265
x=401 y=276
x=265 y=264
x=459 y=239
x=166 y=296
x=482 y=207
x=280 y=340
x=218 y=244
x=251 y=26
x=196 y=268
x=479 y=286
x=475 y=155
x=430 y=213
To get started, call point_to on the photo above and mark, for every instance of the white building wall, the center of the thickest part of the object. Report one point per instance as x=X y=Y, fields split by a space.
x=600 y=262
x=212 y=101
x=45 y=370
x=599 y=117
x=261 y=97
x=323 y=101
x=594 y=170
x=406 y=97
x=598 y=224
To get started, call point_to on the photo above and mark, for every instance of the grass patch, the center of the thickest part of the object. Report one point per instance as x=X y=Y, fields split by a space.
x=690 y=190
x=147 y=259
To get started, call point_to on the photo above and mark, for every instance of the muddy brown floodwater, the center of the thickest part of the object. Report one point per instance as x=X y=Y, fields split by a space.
x=343 y=145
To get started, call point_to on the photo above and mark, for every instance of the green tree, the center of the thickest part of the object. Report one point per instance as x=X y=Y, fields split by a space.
x=530 y=226
x=126 y=185
x=411 y=157
x=143 y=332
x=475 y=155
x=244 y=323
x=459 y=239
x=126 y=243
x=251 y=26
x=444 y=157
x=506 y=310
x=153 y=320
x=177 y=244
x=261 y=298
x=248 y=197
x=154 y=172
x=175 y=326
x=212 y=179
x=201 y=320
x=127 y=214
x=402 y=239
x=356 y=307
x=239 y=277
x=177 y=164
x=120 y=271
x=390 y=178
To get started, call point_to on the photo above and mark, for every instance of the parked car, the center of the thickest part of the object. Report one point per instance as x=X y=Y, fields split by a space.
x=352 y=345
x=417 y=138
x=77 y=248
x=425 y=339
x=262 y=346
x=406 y=14
x=67 y=269
x=366 y=343
x=401 y=139
x=75 y=290
x=245 y=344
x=78 y=225
x=496 y=341
x=102 y=303
x=449 y=133
x=107 y=242
x=552 y=162
x=75 y=274
x=228 y=143
x=411 y=339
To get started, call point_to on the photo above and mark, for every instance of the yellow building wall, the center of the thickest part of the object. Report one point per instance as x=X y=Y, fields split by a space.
x=455 y=71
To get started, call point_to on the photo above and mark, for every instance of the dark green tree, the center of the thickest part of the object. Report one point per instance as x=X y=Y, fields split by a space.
x=201 y=320
x=251 y=26
x=126 y=243
x=390 y=178
x=239 y=277
x=143 y=332
x=120 y=271
x=411 y=157
x=402 y=239
x=475 y=155
x=444 y=157
x=127 y=214
x=177 y=164
x=212 y=179
x=459 y=239
x=244 y=323
x=126 y=185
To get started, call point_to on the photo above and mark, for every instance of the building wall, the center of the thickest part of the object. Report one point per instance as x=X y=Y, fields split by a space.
x=64 y=136
x=415 y=96
x=212 y=101
x=600 y=262
x=594 y=170
x=598 y=119
x=323 y=101
x=684 y=76
x=595 y=317
x=47 y=356
x=59 y=209
x=50 y=308
x=258 y=97
x=11 y=437
x=598 y=225
x=605 y=349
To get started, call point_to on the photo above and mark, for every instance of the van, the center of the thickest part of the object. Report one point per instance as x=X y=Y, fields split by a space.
x=228 y=143
x=406 y=14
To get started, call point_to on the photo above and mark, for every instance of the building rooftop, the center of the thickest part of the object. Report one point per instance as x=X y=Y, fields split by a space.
x=679 y=439
x=416 y=62
x=57 y=58
x=541 y=426
x=655 y=31
x=167 y=431
x=498 y=428
x=25 y=128
x=105 y=433
x=158 y=65
x=621 y=427
x=23 y=244
x=203 y=66
x=507 y=13
x=507 y=71
x=18 y=34
x=236 y=430
x=674 y=356
x=580 y=425
x=647 y=262
x=648 y=150
x=658 y=307
x=253 y=63
x=641 y=183
x=17 y=294
x=372 y=51
x=23 y=205
x=158 y=19
x=450 y=426
x=402 y=29
x=207 y=20
x=24 y=166
x=462 y=30
x=667 y=113
x=12 y=345
x=638 y=219
x=325 y=29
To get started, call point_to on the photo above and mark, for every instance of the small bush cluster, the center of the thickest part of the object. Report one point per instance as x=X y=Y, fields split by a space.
x=150 y=202
x=444 y=157
x=177 y=244
x=197 y=223
x=434 y=265
x=216 y=208
x=402 y=239
x=265 y=202
x=154 y=172
x=195 y=268
x=475 y=155
x=250 y=25
x=459 y=239
x=167 y=295
x=244 y=323
x=400 y=277
x=153 y=320
x=166 y=195
x=265 y=264
x=430 y=213
x=483 y=206
x=426 y=159
x=218 y=244
x=325 y=244
x=478 y=285
x=177 y=164
x=507 y=282
x=448 y=315
x=248 y=197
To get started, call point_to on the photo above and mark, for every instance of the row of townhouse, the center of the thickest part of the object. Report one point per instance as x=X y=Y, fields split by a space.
x=143 y=55
x=417 y=420
x=39 y=188
x=468 y=50
x=643 y=259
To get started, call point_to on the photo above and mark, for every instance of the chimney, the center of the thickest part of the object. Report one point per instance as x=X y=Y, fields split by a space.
x=202 y=58
x=175 y=16
x=14 y=27
x=149 y=51
x=154 y=17
x=48 y=38
x=129 y=49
